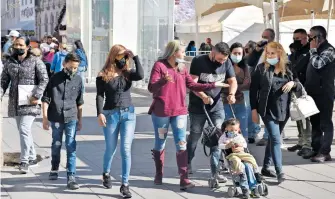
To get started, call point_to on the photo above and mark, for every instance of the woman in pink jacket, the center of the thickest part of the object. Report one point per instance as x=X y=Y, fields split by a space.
x=168 y=81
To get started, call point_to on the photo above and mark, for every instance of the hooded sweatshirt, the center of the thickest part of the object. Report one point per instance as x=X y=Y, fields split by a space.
x=57 y=63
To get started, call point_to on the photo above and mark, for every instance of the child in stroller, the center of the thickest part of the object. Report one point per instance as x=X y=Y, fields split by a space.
x=234 y=147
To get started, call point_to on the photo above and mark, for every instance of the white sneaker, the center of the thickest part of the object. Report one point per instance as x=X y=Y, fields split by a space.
x=221 y=179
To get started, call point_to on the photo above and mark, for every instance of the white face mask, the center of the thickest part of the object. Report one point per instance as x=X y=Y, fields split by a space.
x=236 y=58
x=178 y=60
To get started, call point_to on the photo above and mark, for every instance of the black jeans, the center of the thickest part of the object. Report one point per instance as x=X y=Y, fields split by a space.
x=322 y=125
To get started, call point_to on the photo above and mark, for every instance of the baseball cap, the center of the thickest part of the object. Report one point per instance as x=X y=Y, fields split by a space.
x=13 y=33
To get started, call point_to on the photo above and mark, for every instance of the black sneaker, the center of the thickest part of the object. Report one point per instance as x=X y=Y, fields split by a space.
x=304 y=151
x=71 y=183
x=268 y=173
x=280 y=178
x=258 y=177
x=262 y=142
x=106 y=180
x=53 y=175
x=294 y=148
x=33 y=163
x=23 y=168
x=309 y=155
x=124 y=191
x=245 y=193
x=251 y=140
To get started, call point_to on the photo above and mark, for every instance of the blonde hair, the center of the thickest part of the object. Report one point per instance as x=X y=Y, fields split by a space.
x=108 y=71
x=283 y=59
x=171 y=48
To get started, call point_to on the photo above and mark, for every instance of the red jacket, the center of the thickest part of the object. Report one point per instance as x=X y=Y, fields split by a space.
x=169 y=97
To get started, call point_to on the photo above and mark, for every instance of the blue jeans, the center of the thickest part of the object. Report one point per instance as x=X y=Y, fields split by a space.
x=70 y=130
x=119 y=121
x=197 y=124
x=253 y=128
x=161 y=128
x=248 y=180
x=273 y=150
x=241 y=114
x=83 y=79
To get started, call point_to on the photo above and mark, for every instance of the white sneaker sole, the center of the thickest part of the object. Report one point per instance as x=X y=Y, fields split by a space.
x=33 y=166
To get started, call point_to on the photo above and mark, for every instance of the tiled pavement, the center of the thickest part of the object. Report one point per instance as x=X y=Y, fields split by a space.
x=304 y=179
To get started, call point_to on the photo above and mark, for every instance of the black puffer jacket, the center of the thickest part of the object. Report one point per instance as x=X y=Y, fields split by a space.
x=31 y=71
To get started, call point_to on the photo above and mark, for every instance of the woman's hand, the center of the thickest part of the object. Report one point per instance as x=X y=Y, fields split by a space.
x=168 y=78
x=33 y=101
x=102 y=120
x=129 y=53
x=288 y=86
x=254 y=116
x=221 y=85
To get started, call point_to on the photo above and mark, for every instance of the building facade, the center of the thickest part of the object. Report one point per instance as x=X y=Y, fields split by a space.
x=47 y=14
x=144 y=26
x=10 y=16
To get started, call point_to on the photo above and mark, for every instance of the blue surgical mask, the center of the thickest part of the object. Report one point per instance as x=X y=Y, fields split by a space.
x=272 y=61
x=236 y=58
x=230 y=134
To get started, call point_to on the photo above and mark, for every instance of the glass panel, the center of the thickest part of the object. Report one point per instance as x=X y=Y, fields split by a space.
x=155 y=30
x=73 y=22
x=101 y=18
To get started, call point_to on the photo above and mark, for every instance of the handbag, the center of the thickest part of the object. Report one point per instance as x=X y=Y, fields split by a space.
x=302 y=107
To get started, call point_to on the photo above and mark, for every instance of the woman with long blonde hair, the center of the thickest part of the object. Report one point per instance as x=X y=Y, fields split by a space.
x=168 y=81
x=270 y=89
x=115 y=110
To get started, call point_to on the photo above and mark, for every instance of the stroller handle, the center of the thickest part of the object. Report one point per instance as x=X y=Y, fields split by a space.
x=210 y=120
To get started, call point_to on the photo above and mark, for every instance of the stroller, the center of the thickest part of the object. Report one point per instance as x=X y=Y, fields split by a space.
x=211 y=134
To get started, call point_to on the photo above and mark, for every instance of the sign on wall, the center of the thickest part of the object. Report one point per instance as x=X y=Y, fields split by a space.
x=27 y=11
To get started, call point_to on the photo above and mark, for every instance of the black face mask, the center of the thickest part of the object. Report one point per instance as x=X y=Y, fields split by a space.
x=297 y=44
x=18 y=52
x=121 y=63
x=216 y=63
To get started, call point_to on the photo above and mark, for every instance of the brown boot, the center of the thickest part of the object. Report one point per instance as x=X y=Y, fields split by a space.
x=158 y=157
x=182 y=170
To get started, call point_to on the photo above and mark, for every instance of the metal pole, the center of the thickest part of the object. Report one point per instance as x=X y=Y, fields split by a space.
x=275 y=20
x=196 y=34
x=312 y=18
x=264 y=17
x=330 y=10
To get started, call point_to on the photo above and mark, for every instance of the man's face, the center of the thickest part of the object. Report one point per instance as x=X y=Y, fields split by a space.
x=49 y=40
x=219 y=57
x=301 y=37
x=267 y=35
x=71 y=66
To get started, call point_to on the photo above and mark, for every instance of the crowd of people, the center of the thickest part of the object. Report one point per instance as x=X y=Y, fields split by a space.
x=233 y=85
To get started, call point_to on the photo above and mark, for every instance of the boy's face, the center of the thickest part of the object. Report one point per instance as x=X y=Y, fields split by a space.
x=71 y=66
x=233 y=128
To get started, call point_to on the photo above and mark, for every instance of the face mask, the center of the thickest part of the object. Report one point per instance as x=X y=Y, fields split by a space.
x=121 y=63
x=230 y=134
x=297 y=44
x=18 y=52
x=273 y=61
x=236 y=59
x=69 y=72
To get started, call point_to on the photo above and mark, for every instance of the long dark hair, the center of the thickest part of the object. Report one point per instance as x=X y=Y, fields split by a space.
x=79 y=45
x=242 y=63
x=189 y=47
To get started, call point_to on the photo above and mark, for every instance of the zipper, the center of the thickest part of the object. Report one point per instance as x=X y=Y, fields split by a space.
x=267 y=96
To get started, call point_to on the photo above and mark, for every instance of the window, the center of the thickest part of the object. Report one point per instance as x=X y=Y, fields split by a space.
x=46 y=23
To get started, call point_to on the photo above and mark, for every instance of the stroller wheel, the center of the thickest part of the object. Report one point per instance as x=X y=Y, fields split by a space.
x=260 y=188
x=213 y=183
x=265 y=190
x=232 y=191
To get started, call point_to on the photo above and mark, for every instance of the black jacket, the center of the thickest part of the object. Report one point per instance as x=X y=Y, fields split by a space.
x=321 y=71
x=254 y=57
x=260 y=87
x=299 y=61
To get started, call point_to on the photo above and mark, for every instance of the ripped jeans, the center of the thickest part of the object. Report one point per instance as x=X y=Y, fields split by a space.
x=161 y=127
x=241 y=113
